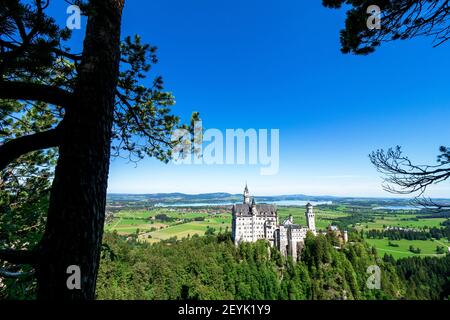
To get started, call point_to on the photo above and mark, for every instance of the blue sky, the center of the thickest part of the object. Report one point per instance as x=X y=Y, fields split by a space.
x=277 y=65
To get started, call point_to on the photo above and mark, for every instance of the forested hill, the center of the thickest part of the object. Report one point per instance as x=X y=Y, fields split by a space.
x=212 y=267
x=221 y=197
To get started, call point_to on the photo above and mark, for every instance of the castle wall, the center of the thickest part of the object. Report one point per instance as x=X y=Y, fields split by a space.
x=253 y=228
x=282 y=239
x=296 y=238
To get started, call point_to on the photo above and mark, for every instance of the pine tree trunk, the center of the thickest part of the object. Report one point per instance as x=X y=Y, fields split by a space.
x=77 y=205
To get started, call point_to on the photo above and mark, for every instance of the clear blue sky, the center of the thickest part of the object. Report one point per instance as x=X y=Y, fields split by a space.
x=277 y=64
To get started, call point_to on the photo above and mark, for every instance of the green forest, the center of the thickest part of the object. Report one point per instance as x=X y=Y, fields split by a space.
x=212 y=267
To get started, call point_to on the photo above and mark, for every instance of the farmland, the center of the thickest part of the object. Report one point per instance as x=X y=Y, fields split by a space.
x=181 y=223
x=428 y=248
x=162 y=224
x=158 y=224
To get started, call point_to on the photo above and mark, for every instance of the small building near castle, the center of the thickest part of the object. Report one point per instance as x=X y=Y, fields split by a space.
x=341 y=236
x=252 y=222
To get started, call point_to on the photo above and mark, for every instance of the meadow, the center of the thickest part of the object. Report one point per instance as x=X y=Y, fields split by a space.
x=428 y=248
x=145 y=224
x=159 y=224
x=400 y=221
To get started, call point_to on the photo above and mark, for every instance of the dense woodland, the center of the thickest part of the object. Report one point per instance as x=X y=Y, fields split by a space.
x=212 y=267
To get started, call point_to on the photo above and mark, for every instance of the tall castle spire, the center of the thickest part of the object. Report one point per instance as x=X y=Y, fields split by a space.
x=246 y=195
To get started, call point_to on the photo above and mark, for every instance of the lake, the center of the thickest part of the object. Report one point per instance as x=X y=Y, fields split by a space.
x=285 y=203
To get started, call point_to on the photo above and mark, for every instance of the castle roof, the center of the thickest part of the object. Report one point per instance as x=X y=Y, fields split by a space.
x=287 y=223
x=262 y=209
x=297 y=226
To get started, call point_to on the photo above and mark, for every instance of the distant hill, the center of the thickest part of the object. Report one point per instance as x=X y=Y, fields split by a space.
x=210 y=197
x=222 y=197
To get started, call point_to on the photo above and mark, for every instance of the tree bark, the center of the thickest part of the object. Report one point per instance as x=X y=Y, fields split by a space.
x=77 y=204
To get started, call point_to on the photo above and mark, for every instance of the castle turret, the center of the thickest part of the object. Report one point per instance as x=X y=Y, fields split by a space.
x=310 y=218
x=246 y=195
x=254 y=210
x=345 y=236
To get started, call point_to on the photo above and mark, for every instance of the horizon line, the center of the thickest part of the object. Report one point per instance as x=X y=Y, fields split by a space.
x=273 y=195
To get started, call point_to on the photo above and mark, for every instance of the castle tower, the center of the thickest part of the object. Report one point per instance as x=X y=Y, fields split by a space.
x=345 y=236
x=310 y=218
x=246 y=195
x=254 y=210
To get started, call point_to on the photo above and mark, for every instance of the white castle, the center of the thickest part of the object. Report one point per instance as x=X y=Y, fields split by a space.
x=253 y=222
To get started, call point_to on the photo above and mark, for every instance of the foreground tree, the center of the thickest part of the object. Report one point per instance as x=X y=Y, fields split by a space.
x=24 y=190
x=400 y=19
x=102 y=106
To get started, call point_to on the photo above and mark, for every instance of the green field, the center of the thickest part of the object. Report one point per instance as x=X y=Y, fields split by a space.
x=403 y=221
x=324 y=217
x=129 y=222
x=182 y=224
x=428 y=248
x=151 y=230
x=179 y=231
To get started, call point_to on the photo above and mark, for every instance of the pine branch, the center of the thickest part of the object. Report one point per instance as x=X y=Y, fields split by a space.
x=14 y=90
x=13 y=275
x=18 y=256
x=13 y=149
